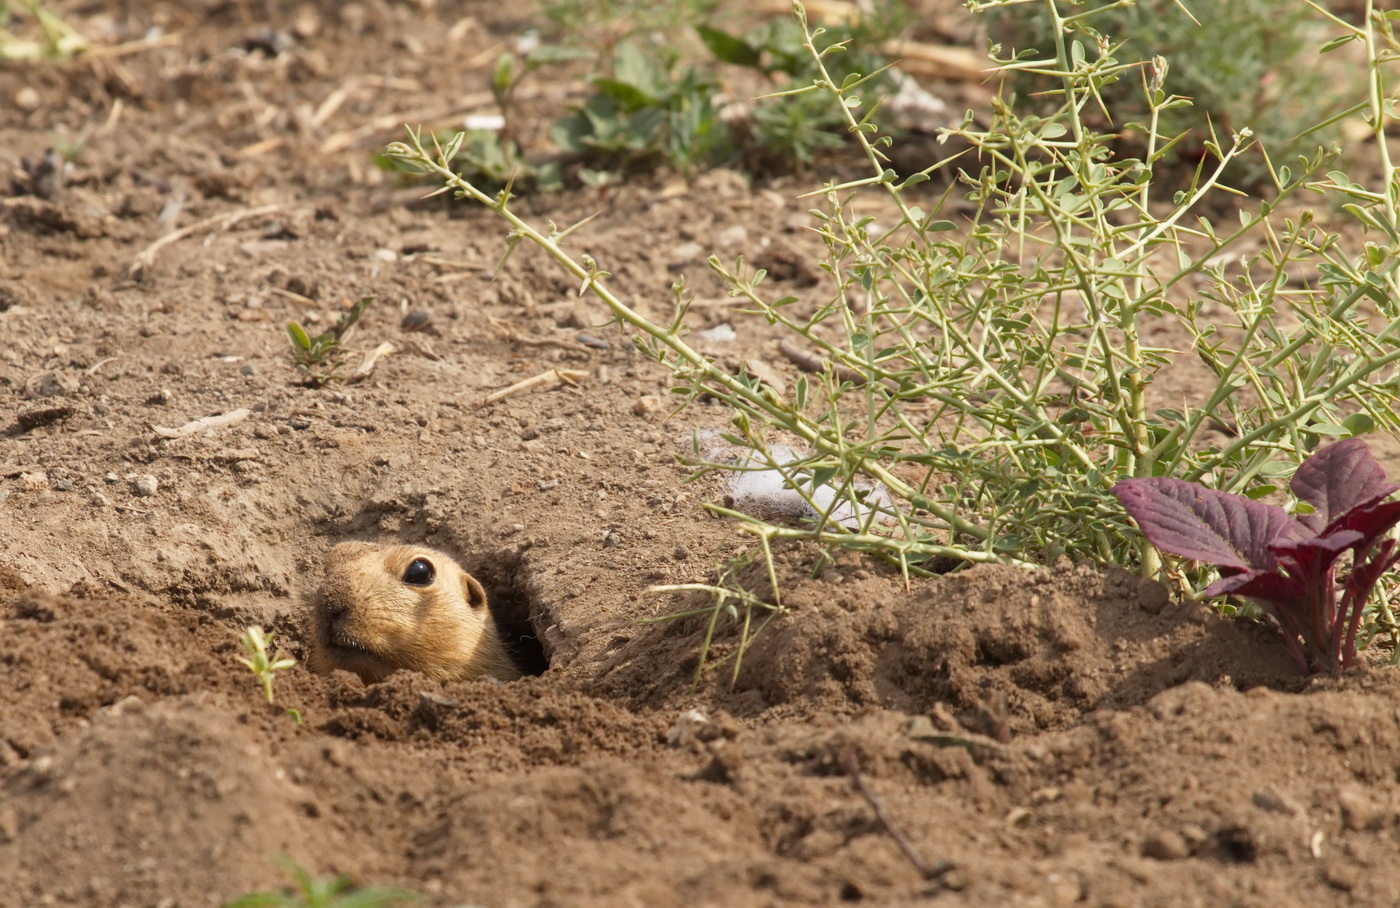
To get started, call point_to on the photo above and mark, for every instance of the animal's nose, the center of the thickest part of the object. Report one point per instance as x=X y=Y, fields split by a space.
x=335 y=610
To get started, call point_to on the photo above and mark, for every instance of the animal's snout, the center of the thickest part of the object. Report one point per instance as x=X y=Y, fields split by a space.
x=334 y=611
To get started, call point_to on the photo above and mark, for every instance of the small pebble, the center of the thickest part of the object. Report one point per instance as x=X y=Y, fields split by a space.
x=722 y=333
x=1274 y=802
x=612 y=540
x=1165 y=846
x=417 y=320
x=27 y=99
x=145 y=485
x=732 y=237
x=681 y=553
x=545 y=485
x=247 y=369
x=1359 y=811
x=63 y=485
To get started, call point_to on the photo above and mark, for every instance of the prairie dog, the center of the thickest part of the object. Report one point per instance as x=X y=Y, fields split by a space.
x=384 y=608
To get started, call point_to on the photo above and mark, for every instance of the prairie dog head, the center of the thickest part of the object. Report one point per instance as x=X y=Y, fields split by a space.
x=384 y=608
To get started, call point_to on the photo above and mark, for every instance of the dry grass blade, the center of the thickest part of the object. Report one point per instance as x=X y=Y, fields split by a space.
x=146 y=258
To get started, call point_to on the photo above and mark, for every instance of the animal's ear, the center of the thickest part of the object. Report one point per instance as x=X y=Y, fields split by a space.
x=473 y=592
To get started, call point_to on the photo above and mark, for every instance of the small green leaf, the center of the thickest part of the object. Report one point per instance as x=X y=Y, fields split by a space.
x=1359 y=424
x=298 y=336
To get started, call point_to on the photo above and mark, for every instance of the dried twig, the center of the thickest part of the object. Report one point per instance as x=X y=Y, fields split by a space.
x=926 y=870
x=808 y=361
x=294 y=296
x=565 y=376
x=147 y=256
x=529 y=341
x=221 y=421
x=367 y=365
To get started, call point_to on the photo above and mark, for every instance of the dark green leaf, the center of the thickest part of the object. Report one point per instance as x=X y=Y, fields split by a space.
x=729 y=48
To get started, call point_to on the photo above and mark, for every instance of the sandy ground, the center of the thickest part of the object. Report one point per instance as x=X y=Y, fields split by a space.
x=992 y=737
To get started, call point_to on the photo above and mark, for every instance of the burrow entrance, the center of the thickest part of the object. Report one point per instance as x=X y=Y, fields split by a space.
x=512 y=608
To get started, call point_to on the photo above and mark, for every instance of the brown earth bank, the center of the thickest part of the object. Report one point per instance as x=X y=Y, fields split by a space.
x=991 y=737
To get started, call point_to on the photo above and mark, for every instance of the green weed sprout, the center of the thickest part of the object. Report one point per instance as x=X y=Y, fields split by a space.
x=322 y=357
x=60 y=40
x=331 y=892
x=264 y=668
x=993 y=367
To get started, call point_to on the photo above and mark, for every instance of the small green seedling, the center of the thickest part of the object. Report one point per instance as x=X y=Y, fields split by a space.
x=332 y=892
x=255 y=641
x=59 y=40
x=321 y=357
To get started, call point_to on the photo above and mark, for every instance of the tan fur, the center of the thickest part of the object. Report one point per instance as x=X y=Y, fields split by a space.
x=368 y=621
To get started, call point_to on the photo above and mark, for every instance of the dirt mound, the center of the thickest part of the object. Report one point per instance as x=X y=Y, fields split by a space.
x=164 y=801
x=65 y=659
x=1009 y=652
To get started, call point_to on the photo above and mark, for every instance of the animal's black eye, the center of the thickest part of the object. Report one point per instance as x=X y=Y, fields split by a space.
x=419 y=573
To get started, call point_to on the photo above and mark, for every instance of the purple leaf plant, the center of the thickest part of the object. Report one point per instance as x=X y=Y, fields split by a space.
x=1285 y=563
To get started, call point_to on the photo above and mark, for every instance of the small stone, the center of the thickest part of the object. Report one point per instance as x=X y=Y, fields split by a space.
x=722 y=333
x=646 y=404
x=386 y=255
x=63 y=485
x=686 y=253
x=544 y=485
x=417 y=320
x=1165 y=846
x=681 y=553
x=1153 y=597
x=1342 y=876
x=145 y=485
x=765 y=373
x=247 y=369
x=1359 y=811
x=732 y=237
x=1274 y=802
x=34 y=479
x=27 y=99
x=685 y=727
x=128 y=704
x=612 y=540
x=955 y=879
x=111 y=477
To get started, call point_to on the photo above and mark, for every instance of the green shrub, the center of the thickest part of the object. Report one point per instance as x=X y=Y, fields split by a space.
x=993 y=371
x=1244 y=64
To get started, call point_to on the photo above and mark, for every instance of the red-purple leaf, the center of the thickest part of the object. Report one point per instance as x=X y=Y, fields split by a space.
x=1337 y=479
x=1267 y=587
x=1189 y=520
x=1370 y=521
x=1285 y=564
